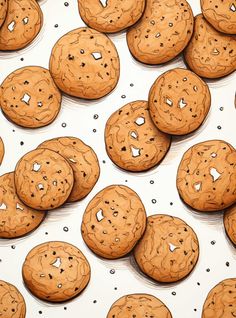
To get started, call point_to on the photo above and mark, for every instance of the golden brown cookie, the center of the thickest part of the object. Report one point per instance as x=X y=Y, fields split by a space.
x=139 y=306
x=2 y=150
x=206 y=178
x=220 y=14
x=113 y=222
x=179 y=101
x=22 y=24
x=132 y=140
x=82 y=160
x=29 y=97
x=12 y=303
x=84 y=63
x=163 y=31
x=3 y=11
x=169 y=249
x=221 y=300
x=110 y=16
x=16 y=219
x=56 y=271
x=230 y=223
x=210 y=53
x=43 y=179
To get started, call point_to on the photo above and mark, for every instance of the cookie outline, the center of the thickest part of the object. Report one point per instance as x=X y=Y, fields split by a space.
x=230 y=223
x=2 y=150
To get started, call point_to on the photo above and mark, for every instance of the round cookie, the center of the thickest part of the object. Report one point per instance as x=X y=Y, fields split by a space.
x=84 y=63
x=56 y=271
x=206 y=178
x=111 y=16
x=163 y=31
x=30 y=98
x=82 y=160
x=3 y=11
x=113 y=222
x=220 y=302
x=169 y=249
x=220 y=14
x=22 y=24
x=179 y=101
x=210 y=53
x=16 y=219
x=2 y=150
x=12 y=303
x=43 y=179
x=139 y=306
x=132 y=140
x=230 y=223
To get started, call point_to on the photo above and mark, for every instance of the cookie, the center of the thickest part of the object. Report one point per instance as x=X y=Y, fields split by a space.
x=43 y=179
x=56 y=271
x=220 y=302
x=2 y=150
x=113 y=222
x=220 y=14
x=210 y=53
x=84 y=63
x=206 y=178
x=111 y=16
x=3 y=11
x=22 y=24
x=132 y=140
x=230 y=223
x=179 y=101
x=169 y=249
x=139 y=306
x=12 y=303
x=163 y=31
x=30 y=98
x=82 y=160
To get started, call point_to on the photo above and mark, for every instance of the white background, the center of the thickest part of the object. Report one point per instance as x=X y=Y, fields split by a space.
x=78 y=116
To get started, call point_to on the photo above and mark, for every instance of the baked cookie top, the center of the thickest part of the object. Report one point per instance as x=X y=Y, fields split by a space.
x=168 y=250
x=56 y=271
x=132 y=140
x=2 y=150
x=3 y=11
x=230 y=223
x=113 y=222
x=206 y=178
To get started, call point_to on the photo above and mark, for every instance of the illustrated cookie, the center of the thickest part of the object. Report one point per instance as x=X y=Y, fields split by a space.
x=56 y=271
x=113 y=222
x=179 y=102
x=163 y=31
x=43 y=179
x=84 y=63
x=220 y=14
x=169 y=249
x=206 y=178
x=82 y=160
x=132 y=140
x=220 y=302
x=22 y=24
x=230 y=223
x=12 y=303
x=2 y=150
x=3 y=11
x=139 y=306
x=110 y=16
x=29 y=97
x=210 y=53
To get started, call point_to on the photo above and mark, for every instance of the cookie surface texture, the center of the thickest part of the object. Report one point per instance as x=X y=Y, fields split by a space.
x=210 y=54
x=84 y=63
x=168 y=250
x=139 y=306
x=3 y=11
x=43 y=179
x=179 y=101
x=163 y=31
x=113 y=222
x=82 y=160
x=56 y=271
x=206 y=178
x=30 y=98
x=230 y=223
x=2 y=150
x=132 y=140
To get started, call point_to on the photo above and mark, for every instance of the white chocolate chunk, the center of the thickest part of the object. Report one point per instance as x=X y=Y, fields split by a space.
x=41 y=275
x=40 y=186
x=172 y=247
x=103 y=3
x=19 y=207
x=197 y=186
x=72 y=160
x=215 y=174
x=57 y=262
x=158 y=35
x=25 y=20
x=11 y=26
x=134 y=135
x=54 y=182
x=213 y=155
x=97 y=55
x=215 y=51
x=233 y=7
x=135 y=152
x=99 y=215
x=36 y=167
x=195 y=88
x=3 y=206
x=40 y=104
x=182 y=103
x=140 y=121
x=26 y=98
x=185 y=79
x=59 y=285
x=169 y=102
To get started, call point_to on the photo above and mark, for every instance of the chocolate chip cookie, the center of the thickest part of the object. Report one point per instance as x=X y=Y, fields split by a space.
x=2 y=150
x=3 y=11
x=113 y=222
x=169 y=249
x=206 y=178
x=230 y=223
